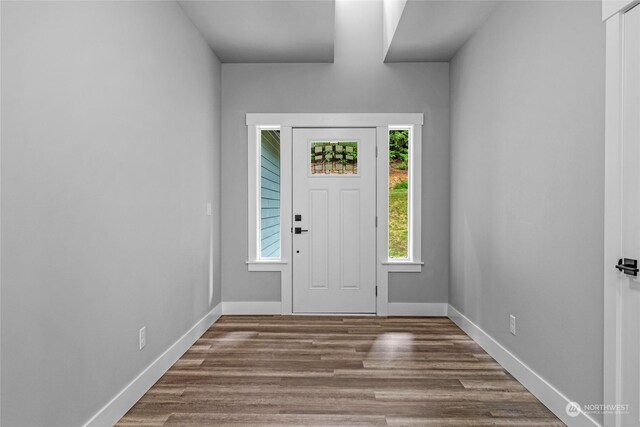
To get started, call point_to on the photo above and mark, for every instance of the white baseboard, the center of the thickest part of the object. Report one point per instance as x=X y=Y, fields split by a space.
x=123 y=401
x=538 y=386
x=251 y=307
x=417 y=308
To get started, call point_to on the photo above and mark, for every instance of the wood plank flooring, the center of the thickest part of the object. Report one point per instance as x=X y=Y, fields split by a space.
x=337 y=371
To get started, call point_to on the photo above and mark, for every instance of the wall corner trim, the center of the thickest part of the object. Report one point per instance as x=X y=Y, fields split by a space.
x=538 y=386
x=128 y=396
x=418 y=309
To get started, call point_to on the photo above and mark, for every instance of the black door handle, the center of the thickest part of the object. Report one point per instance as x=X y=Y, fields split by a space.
x=299 y=230
x=628 y=266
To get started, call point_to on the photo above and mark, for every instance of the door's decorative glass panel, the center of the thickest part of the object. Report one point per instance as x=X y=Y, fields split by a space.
x=334 y=158
x=399 y=194
x=270 y=194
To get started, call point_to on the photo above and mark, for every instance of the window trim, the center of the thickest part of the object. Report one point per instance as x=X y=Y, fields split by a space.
x=382 y=122
x=255 y=261
x=414 y=262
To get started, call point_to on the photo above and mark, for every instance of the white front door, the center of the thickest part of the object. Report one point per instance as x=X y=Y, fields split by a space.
x=334 y=207
x=628 y=300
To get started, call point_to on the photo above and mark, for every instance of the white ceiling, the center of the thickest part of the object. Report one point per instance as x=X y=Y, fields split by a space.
x=266 y=31
x=433 y=31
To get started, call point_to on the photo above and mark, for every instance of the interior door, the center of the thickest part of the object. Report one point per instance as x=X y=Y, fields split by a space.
x=628 y=301
x=334 y=206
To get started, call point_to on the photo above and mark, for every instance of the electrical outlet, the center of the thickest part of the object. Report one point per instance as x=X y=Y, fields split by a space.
x=209 y=209
x=142 y=339
x=512 y=324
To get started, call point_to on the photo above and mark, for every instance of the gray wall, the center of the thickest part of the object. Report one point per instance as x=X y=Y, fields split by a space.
x=110 y=151
x=527 y=97
x=358 y=81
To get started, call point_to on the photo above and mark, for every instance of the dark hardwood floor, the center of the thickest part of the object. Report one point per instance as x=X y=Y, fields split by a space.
x=337 y=371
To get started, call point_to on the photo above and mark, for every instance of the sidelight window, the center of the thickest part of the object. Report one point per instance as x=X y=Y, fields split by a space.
x=399 y=193
x=269 y=230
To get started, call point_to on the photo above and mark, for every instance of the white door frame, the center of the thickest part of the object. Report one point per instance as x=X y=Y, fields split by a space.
x=612 y=14
x=382 y=122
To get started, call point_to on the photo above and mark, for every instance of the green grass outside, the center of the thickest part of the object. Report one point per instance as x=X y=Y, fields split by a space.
x=398 y=223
